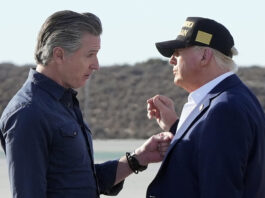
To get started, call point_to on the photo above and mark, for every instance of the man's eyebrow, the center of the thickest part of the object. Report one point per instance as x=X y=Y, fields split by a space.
x=92 y=50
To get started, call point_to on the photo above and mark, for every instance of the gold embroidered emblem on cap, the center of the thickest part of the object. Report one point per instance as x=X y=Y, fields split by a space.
x=203 y=37
x=186 y=27
x=188 y=24
x=183 y=32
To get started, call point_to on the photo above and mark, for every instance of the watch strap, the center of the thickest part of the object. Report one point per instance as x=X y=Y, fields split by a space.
x=134 y=163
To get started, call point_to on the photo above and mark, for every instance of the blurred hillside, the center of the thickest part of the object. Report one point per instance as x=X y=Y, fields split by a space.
x=114 y=100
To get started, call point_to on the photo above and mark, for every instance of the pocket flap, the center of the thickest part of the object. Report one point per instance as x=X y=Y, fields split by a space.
x=69 y=130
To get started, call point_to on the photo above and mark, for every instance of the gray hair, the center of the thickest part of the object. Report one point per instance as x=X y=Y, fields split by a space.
x=64 y=29
x=222 y=60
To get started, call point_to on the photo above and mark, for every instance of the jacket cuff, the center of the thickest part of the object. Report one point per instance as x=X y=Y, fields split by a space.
x=173 y=128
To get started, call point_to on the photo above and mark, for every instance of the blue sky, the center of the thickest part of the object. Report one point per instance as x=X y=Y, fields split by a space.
x=130 y=28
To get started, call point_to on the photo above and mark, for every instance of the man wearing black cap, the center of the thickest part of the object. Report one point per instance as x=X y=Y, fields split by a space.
x=218 y=150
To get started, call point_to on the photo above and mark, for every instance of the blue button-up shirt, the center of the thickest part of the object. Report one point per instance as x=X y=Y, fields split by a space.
x=48 y=146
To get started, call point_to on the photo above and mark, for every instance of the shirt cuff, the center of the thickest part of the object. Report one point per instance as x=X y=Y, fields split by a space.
x=106 y=175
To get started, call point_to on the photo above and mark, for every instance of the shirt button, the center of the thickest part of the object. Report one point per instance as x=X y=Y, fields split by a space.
x=75 y=133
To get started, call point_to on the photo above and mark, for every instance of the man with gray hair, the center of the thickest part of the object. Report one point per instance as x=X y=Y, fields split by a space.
x=48 y=145
x=218 y=150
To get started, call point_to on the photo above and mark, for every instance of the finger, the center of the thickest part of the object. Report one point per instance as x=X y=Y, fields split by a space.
x=164 y=144
x=158 y=138
x=150 y=100
x=153 y=113
x=161 y=140
x=150 y=114
x=148 y=106
x=166 y=136
x=167 y=101
x=157 y=114
x=151 y=109
x=159 y=104
x=162 y=151
x=163 y=148
x=151 y=106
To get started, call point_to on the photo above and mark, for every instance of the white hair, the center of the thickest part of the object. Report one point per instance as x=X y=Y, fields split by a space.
x=222 y=60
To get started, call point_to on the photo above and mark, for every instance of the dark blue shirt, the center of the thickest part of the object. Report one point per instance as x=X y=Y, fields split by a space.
x=48 y=146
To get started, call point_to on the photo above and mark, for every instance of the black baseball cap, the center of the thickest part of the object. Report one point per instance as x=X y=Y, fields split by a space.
x=202 y=32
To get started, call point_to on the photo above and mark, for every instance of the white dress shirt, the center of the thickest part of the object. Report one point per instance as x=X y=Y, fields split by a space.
x=196 y=97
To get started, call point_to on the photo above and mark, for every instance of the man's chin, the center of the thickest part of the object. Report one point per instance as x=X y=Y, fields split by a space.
x=79 y=85
x=83 y=83
x=176 y=81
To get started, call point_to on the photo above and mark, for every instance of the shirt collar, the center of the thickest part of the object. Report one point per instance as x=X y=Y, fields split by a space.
x=197 y=95
x=50 y=86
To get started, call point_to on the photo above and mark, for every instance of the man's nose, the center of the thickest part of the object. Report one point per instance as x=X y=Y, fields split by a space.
x=173 y=60
x=95 y=66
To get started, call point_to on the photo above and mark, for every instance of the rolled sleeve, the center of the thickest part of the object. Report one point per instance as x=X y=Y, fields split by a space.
x=106 y=175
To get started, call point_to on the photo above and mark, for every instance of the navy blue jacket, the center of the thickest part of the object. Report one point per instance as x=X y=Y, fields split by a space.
x=219 y=151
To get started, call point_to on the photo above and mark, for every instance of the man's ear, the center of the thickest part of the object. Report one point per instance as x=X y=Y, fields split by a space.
x=206 y=56
x=58 y=55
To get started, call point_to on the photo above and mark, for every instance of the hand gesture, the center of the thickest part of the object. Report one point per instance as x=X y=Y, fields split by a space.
x=162 y=109
x=154 y=149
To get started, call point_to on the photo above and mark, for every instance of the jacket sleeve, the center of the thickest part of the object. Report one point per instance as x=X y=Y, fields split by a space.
x=26 y=147
x=173 y=128
x=225 y=144
x=106 y=175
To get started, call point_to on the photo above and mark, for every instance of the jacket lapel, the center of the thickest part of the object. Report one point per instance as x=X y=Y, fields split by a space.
x=199 y=110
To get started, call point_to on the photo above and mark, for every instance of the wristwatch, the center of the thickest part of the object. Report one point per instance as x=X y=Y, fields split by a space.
x=134 y=163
